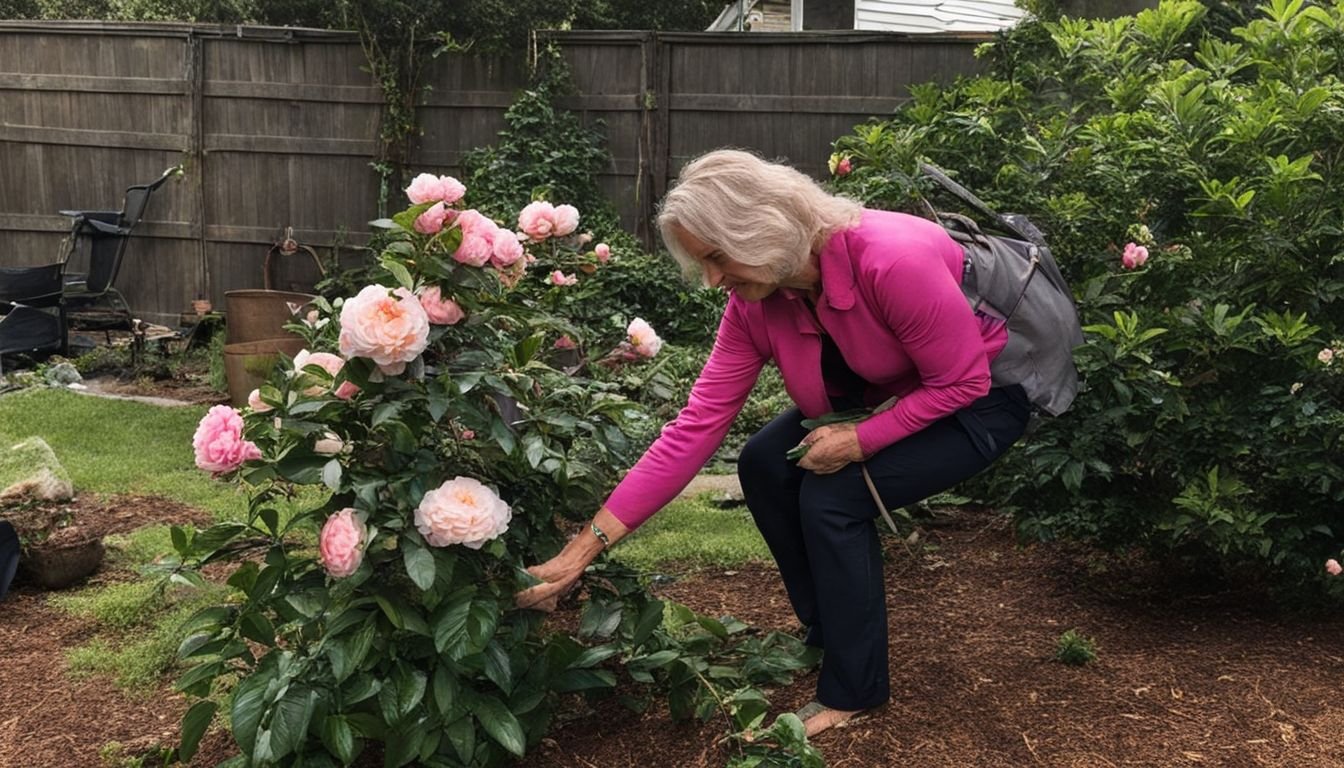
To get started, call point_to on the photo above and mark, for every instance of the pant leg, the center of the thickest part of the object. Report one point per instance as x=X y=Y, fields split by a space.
x=9 y=556
x=770 y=486
x=842 y=546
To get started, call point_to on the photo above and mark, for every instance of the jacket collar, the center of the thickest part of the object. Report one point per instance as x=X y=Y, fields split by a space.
x=837 y=273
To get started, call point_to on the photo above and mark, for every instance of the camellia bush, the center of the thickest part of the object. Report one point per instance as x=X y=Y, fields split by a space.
x=1189 y=175
x=448 y=451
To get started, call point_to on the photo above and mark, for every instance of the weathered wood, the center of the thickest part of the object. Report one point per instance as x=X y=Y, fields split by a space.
x=277 y=128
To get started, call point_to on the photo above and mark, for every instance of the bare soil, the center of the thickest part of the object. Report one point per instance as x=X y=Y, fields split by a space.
x=1186 y=675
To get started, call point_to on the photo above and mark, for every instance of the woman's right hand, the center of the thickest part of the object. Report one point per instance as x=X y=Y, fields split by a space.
x=562 y=572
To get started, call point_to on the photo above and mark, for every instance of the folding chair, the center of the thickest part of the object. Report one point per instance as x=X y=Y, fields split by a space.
x=32 y=310
x=90 y=299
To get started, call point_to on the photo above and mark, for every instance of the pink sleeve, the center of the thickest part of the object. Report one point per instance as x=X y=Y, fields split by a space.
x=922 y=303
x=688 y=441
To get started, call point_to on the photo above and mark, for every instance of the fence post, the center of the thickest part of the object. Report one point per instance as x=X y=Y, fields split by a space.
x=661 y=146
x=196 y=155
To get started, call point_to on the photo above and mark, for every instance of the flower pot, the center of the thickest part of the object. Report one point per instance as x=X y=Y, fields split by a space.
x=56 y=564
x=247 y=365
x=257 y=315
x=201 y=307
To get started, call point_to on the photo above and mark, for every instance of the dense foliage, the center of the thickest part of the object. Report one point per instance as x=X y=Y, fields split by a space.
x=1188 y=172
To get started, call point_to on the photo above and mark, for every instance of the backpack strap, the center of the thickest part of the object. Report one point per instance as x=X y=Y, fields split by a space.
x=976 y=204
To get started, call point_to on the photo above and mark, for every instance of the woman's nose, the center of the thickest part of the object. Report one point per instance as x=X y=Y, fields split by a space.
x=713 y=275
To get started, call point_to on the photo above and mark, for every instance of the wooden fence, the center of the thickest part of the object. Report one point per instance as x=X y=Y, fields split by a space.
x=278 y=128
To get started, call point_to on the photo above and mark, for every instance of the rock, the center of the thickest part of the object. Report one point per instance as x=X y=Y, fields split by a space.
x=30 y=470
x=61 y=374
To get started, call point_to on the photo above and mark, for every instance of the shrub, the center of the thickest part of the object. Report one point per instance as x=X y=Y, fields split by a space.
x=1208 y=426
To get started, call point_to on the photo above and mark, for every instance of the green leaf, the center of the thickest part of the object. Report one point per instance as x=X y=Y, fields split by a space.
x=331 y=475
x=200 y=679
x=498 y=722
x=194 y=723
x=249 y=703
x=583 y=680
x=338 y=738
x=289 y=720
x=410 y=688
x=419 y=562
x=462 y=735
x=498 y=667
x=447 y=693
x=450 y=623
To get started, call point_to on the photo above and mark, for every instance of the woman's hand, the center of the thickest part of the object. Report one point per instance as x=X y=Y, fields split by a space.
x=830 y=448
x=562 y=572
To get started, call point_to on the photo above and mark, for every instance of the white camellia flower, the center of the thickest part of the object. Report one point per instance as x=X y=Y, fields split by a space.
x=462 y=511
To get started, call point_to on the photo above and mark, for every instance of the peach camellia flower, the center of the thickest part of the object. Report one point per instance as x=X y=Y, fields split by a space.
x=392 y=330
x=439 y=310
x=255 y=402
x=566 y=220
x=462 y=511
x=642 y=338
x=537 y=220
x=219 y=443
x=341 y=543
x=329 y=444
x=602 y=251
x=1326 y=356
x=1134 y=256
x=1333 y=567
x=560 y=278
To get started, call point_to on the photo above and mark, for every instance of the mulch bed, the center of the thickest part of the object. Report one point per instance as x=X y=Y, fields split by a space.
x=1185 y=676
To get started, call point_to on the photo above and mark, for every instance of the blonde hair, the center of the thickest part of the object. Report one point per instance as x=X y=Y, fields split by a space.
x=757 y=212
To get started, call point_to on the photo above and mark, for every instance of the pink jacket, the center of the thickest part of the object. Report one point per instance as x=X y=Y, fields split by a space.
x=891 y=300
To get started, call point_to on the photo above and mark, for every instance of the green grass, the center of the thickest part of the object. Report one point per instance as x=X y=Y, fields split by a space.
x=119 y=446
x=697 y=532
x=141 y=630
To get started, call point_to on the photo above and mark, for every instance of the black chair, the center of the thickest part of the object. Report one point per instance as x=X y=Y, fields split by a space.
x=32 y=309
x=90 y=299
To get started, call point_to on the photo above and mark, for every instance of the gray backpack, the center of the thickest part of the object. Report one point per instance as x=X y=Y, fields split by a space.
x=1013 y=276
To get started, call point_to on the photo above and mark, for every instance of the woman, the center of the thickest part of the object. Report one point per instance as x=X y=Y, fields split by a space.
x=856 y=307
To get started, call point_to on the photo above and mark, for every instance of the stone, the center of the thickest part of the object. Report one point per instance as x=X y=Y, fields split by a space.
x=30 y=470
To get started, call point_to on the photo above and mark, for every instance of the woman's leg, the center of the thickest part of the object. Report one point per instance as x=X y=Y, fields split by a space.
x=770 y=485
x=843 y=552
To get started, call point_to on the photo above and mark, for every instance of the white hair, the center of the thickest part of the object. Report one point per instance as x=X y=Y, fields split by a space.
x=757 y=212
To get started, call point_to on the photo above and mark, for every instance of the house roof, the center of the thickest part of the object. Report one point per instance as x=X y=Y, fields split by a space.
x=936 y=15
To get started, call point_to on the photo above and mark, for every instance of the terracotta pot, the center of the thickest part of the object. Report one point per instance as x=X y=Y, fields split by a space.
x=201 y=307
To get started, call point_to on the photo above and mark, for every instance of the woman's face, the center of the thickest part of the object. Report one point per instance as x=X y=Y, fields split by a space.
x=721 y=271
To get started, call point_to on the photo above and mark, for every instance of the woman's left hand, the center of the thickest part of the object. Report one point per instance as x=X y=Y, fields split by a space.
x=831 y=448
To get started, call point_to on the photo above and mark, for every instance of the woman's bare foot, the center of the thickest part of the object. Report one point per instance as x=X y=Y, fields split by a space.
x=827 y=719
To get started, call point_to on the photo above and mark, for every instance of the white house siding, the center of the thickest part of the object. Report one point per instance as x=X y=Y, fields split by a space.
x=936 y=15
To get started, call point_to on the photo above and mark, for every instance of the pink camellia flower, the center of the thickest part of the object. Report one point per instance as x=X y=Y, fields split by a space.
x=507 y=250
x=391 y=330
x=642 y=338
x=425 y=188
x=843 y=167
x=255 y=402
x=478 y=236
x=1326 y=356
x=1333 y=567
x=564 y=342
x=346 y=390
x=537 y=220
x=566 y=220
x=602 y=251
x=560 y=278
x=451 y=190
x=219 y=443
x=341 y=543
x=439 y=310
x=325 y=360
x=468 y=434
x=1134 y=256
x=432 y=220
x=462 y=511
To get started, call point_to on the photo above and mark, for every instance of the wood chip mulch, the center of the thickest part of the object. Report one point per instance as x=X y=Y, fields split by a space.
x=1186 y=676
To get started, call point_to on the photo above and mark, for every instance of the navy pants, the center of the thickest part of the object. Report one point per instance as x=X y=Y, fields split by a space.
x=9 y=556
x=821 y=531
